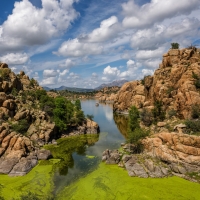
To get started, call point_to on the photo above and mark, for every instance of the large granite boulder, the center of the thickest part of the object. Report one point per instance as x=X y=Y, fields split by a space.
x=173 y=83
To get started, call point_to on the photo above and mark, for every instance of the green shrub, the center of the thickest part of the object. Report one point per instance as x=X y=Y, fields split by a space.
x=133 y=119
x=158 y=112
x=195 y=114
x=78 y=104
x=33 y=82
x=21 y=127
x=14 y=92
x=146 y=117
x=135 y=138
x=192 y=126
x=90 y=117
x=175 y=45
x=47 y=104
x=4 y=73
x=197 y=80
x=172 y=113
x=135 y=132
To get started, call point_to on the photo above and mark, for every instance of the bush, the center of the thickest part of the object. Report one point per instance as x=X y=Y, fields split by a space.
x=192 y=126
x=14 y=92
x=172 y=113
x=135 y=133
x=47 y=104
x=60 y=113
x=90 y=117
x=197 y=80
x=195 y=113
x=133 y=119
x=158 y=112
x=78 y=104
x=4 y=73
x=21 y=127
x=33 y=82
x=135 y=138
x=146 y=117
x=175 y=45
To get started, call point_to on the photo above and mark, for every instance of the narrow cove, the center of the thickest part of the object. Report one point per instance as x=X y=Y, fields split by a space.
x=80 y=174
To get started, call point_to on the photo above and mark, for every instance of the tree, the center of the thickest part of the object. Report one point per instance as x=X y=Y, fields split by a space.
x=59 y=112
x=146 y=117
x=175 y=45
x=133 y=121
x=91 y=117
x=78 y=104
x=135 y=132
x=158 y=112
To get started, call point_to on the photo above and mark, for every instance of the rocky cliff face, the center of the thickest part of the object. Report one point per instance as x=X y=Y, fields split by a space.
x=18 y=153
x=175 y=83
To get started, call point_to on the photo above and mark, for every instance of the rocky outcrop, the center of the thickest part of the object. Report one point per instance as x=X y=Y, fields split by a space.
x=17 y=153
x=175 y=148
x=165 y=154
x=88 y=127
x=173 y=83
x=107 y=94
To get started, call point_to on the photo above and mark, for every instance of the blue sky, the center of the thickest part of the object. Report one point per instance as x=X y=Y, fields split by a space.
x=84 y=43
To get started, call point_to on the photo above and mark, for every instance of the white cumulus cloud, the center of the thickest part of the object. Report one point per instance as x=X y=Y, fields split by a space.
x=155 y=11
x=28 y=25
x=75 y=48
x=15 y=58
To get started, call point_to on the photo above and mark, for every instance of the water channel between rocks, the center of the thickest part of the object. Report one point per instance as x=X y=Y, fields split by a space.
x=88 y=156
x=80 y=174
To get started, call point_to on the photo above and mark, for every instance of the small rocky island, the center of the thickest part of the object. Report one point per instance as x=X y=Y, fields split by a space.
x=165 y=101
x=29 y=119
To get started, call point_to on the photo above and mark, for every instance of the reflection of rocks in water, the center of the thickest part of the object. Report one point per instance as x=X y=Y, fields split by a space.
x=67 y=146
x=122 y=122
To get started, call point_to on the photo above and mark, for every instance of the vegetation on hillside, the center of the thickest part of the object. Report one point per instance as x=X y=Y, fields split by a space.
x=61 y=111
x=135 y=132
x=175 y=45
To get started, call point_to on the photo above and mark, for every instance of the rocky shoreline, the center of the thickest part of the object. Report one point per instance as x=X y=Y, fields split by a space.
x=165 y=154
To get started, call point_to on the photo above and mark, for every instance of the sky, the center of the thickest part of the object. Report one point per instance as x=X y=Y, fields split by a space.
x=84 y=43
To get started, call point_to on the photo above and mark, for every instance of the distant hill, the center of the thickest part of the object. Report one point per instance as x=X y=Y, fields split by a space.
x=118 y=83
x=69 y=89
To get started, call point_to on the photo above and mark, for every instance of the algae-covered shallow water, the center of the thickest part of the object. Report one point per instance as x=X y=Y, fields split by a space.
x=76 y=172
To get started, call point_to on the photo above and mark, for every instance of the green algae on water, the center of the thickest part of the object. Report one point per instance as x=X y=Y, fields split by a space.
x=90 y=157
x=67 y=146
x=111 y=182
x=38 y=181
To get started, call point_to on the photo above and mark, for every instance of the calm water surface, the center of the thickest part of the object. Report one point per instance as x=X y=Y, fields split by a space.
x=110 y=137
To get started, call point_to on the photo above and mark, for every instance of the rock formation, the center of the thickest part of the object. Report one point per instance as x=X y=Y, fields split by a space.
x=20 y=151
x=165 y=154
x=107 y=94
x=175 y=83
